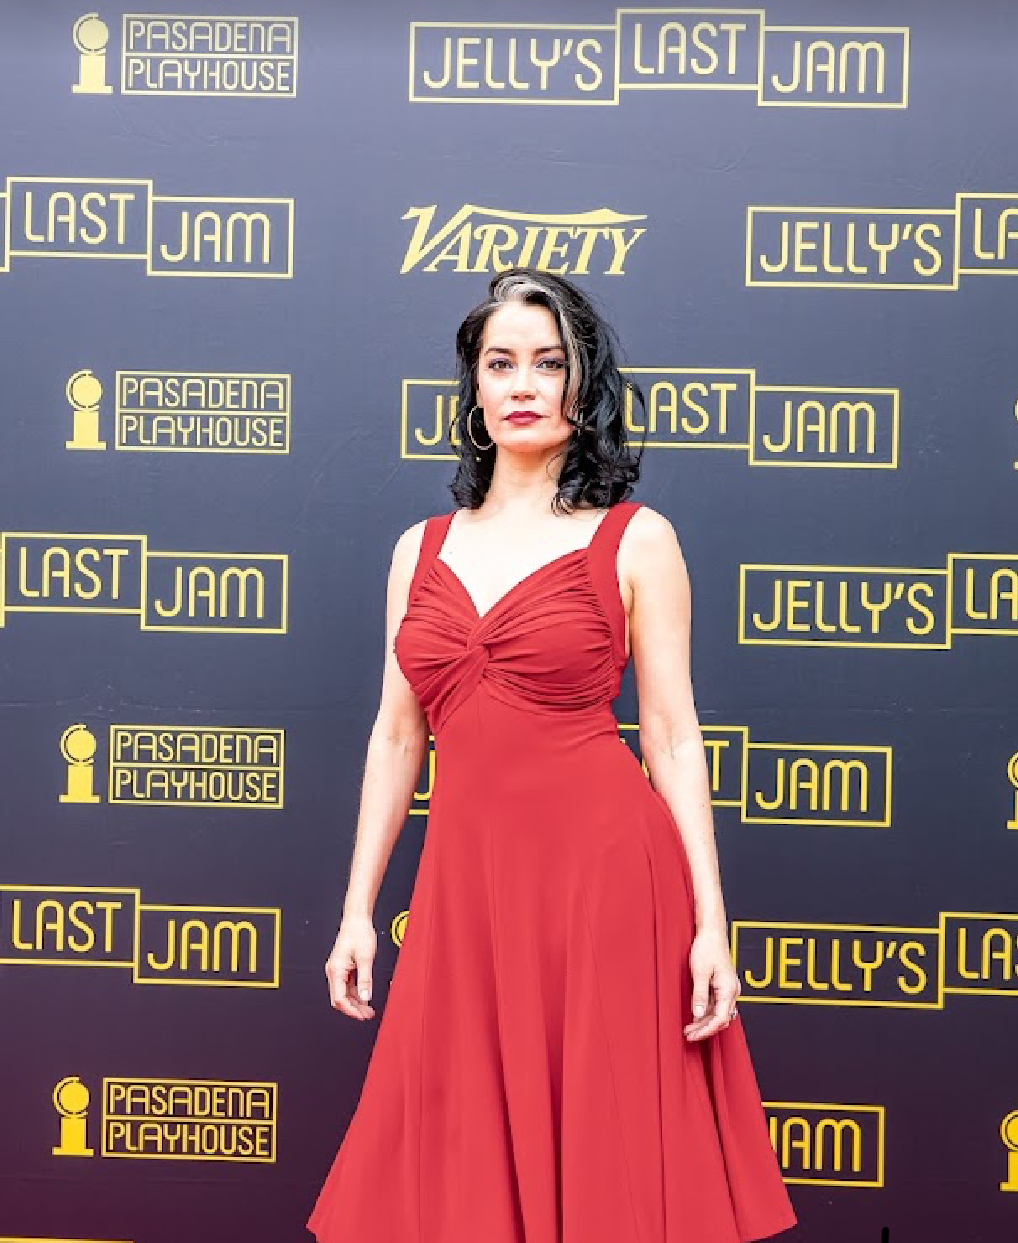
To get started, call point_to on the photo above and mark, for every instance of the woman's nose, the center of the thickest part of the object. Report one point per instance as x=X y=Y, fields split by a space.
x=524 y=380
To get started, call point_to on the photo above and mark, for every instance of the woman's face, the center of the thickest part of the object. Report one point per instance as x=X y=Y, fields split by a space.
x=521 y=366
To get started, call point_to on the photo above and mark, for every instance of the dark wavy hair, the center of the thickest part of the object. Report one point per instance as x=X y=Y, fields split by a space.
x=600 y=466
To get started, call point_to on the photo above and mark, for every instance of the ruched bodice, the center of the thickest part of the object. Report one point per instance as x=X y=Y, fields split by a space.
x=554 y=642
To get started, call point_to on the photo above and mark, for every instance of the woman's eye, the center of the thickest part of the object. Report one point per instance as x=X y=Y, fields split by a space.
x=556 y=364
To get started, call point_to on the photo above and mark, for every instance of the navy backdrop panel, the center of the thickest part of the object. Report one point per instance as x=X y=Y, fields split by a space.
x=236 y=249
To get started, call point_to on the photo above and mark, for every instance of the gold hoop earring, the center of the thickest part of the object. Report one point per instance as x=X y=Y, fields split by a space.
x=470 y=431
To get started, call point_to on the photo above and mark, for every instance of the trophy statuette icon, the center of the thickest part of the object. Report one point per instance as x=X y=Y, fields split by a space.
x=91 y=37
x=1009 y=1134
x=70 y=1099
x=84 y=393
x=78 y=746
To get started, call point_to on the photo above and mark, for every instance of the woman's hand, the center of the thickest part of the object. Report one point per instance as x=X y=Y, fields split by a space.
x=349 y=966
x=714 y=981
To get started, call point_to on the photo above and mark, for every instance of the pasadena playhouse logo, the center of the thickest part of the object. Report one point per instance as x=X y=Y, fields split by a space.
x=190 y=592
x=123 y=218
x=669 y=49
x=170 y=1119
x=830 y=784
x=720 y=408
x=879 y=606
x=183 y=412
x=89 y=926
x=482 y=239
x=176 y=54
x=891 y=965
x=882 y=247
x=177 y=766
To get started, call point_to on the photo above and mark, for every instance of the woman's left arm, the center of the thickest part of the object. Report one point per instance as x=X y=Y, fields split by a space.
x=672 y=746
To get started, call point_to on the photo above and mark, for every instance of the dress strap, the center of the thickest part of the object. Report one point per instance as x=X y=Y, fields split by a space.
x=435 y=528
x=603 y=552
x=608 y=535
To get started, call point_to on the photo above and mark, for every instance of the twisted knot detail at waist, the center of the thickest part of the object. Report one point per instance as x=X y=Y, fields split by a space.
x=477 y=654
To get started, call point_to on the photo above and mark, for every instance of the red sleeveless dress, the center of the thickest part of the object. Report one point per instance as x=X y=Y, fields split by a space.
x=530 y=1082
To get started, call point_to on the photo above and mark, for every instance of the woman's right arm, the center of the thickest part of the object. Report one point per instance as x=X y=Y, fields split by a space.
x=395 y=755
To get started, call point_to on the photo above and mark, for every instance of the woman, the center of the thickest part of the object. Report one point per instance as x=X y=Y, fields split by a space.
x=558 y=1060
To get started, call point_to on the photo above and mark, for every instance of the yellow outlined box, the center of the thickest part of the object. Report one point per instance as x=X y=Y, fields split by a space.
x=919 y=950
x=746 y=77
x=142 y=407
x=121 y=736
x=117 y=914
x=238 y=919
x=87 y=215
x=121 y=1127
x=571 y=35
x=826 y=218
x=903 y=63
x=930 y=604
x=785 y=1141
x=195 y=57
x=844 y=759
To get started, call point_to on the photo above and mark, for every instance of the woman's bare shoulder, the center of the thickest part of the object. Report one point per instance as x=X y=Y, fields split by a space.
x=407 y=547
x=649 y=530
x=649 y=548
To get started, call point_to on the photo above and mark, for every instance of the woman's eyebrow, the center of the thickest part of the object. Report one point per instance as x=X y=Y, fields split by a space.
x=501 y=349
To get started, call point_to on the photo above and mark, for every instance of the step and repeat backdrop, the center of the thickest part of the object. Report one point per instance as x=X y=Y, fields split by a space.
x=236 y=246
